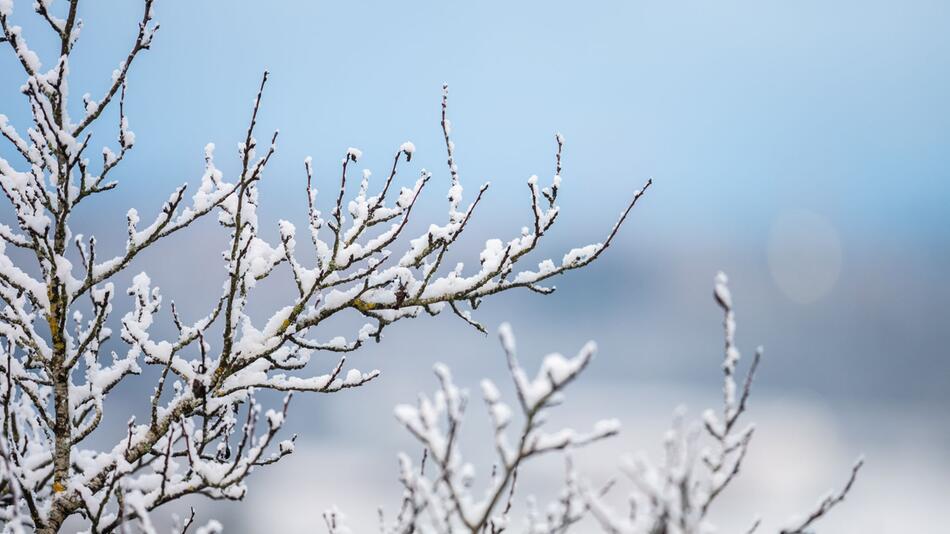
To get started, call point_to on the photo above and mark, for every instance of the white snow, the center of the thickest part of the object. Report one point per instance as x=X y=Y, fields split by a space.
x=577 y=255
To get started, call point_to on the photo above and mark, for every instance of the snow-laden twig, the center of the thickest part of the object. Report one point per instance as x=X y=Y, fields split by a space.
x=447 y=499
x=676 y=495
x=826 y=504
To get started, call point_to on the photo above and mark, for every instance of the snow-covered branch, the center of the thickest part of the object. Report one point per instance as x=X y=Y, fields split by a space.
x=700 y=459
x=446 y=500
x=205 y=431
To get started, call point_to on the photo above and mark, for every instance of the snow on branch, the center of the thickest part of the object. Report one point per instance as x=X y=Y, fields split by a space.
x=448 y=500
x=801 y=526
x=676 y=495
x=205 y=431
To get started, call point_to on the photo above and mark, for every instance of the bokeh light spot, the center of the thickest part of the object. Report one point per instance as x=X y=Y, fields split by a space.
x=804 y=254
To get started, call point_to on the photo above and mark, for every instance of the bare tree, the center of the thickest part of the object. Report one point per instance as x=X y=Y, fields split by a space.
x=673 y=497
x=205 y=432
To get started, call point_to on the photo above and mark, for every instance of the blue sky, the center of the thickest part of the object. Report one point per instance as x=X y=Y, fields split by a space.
x=740 y=111
x=838 y=107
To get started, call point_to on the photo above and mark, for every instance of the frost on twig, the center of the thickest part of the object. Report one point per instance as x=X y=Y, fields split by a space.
x=801 y=526
x=336 y=522
x=700 y=459
x=450 y=498
x=204 y=432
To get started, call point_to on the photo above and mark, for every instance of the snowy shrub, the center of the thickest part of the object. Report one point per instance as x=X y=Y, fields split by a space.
x=204 y=432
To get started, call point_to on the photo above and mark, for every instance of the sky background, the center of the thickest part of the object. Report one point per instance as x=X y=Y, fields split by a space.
x=800 y=147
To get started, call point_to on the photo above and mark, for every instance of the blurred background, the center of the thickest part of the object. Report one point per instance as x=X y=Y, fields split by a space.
x=799 y=147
